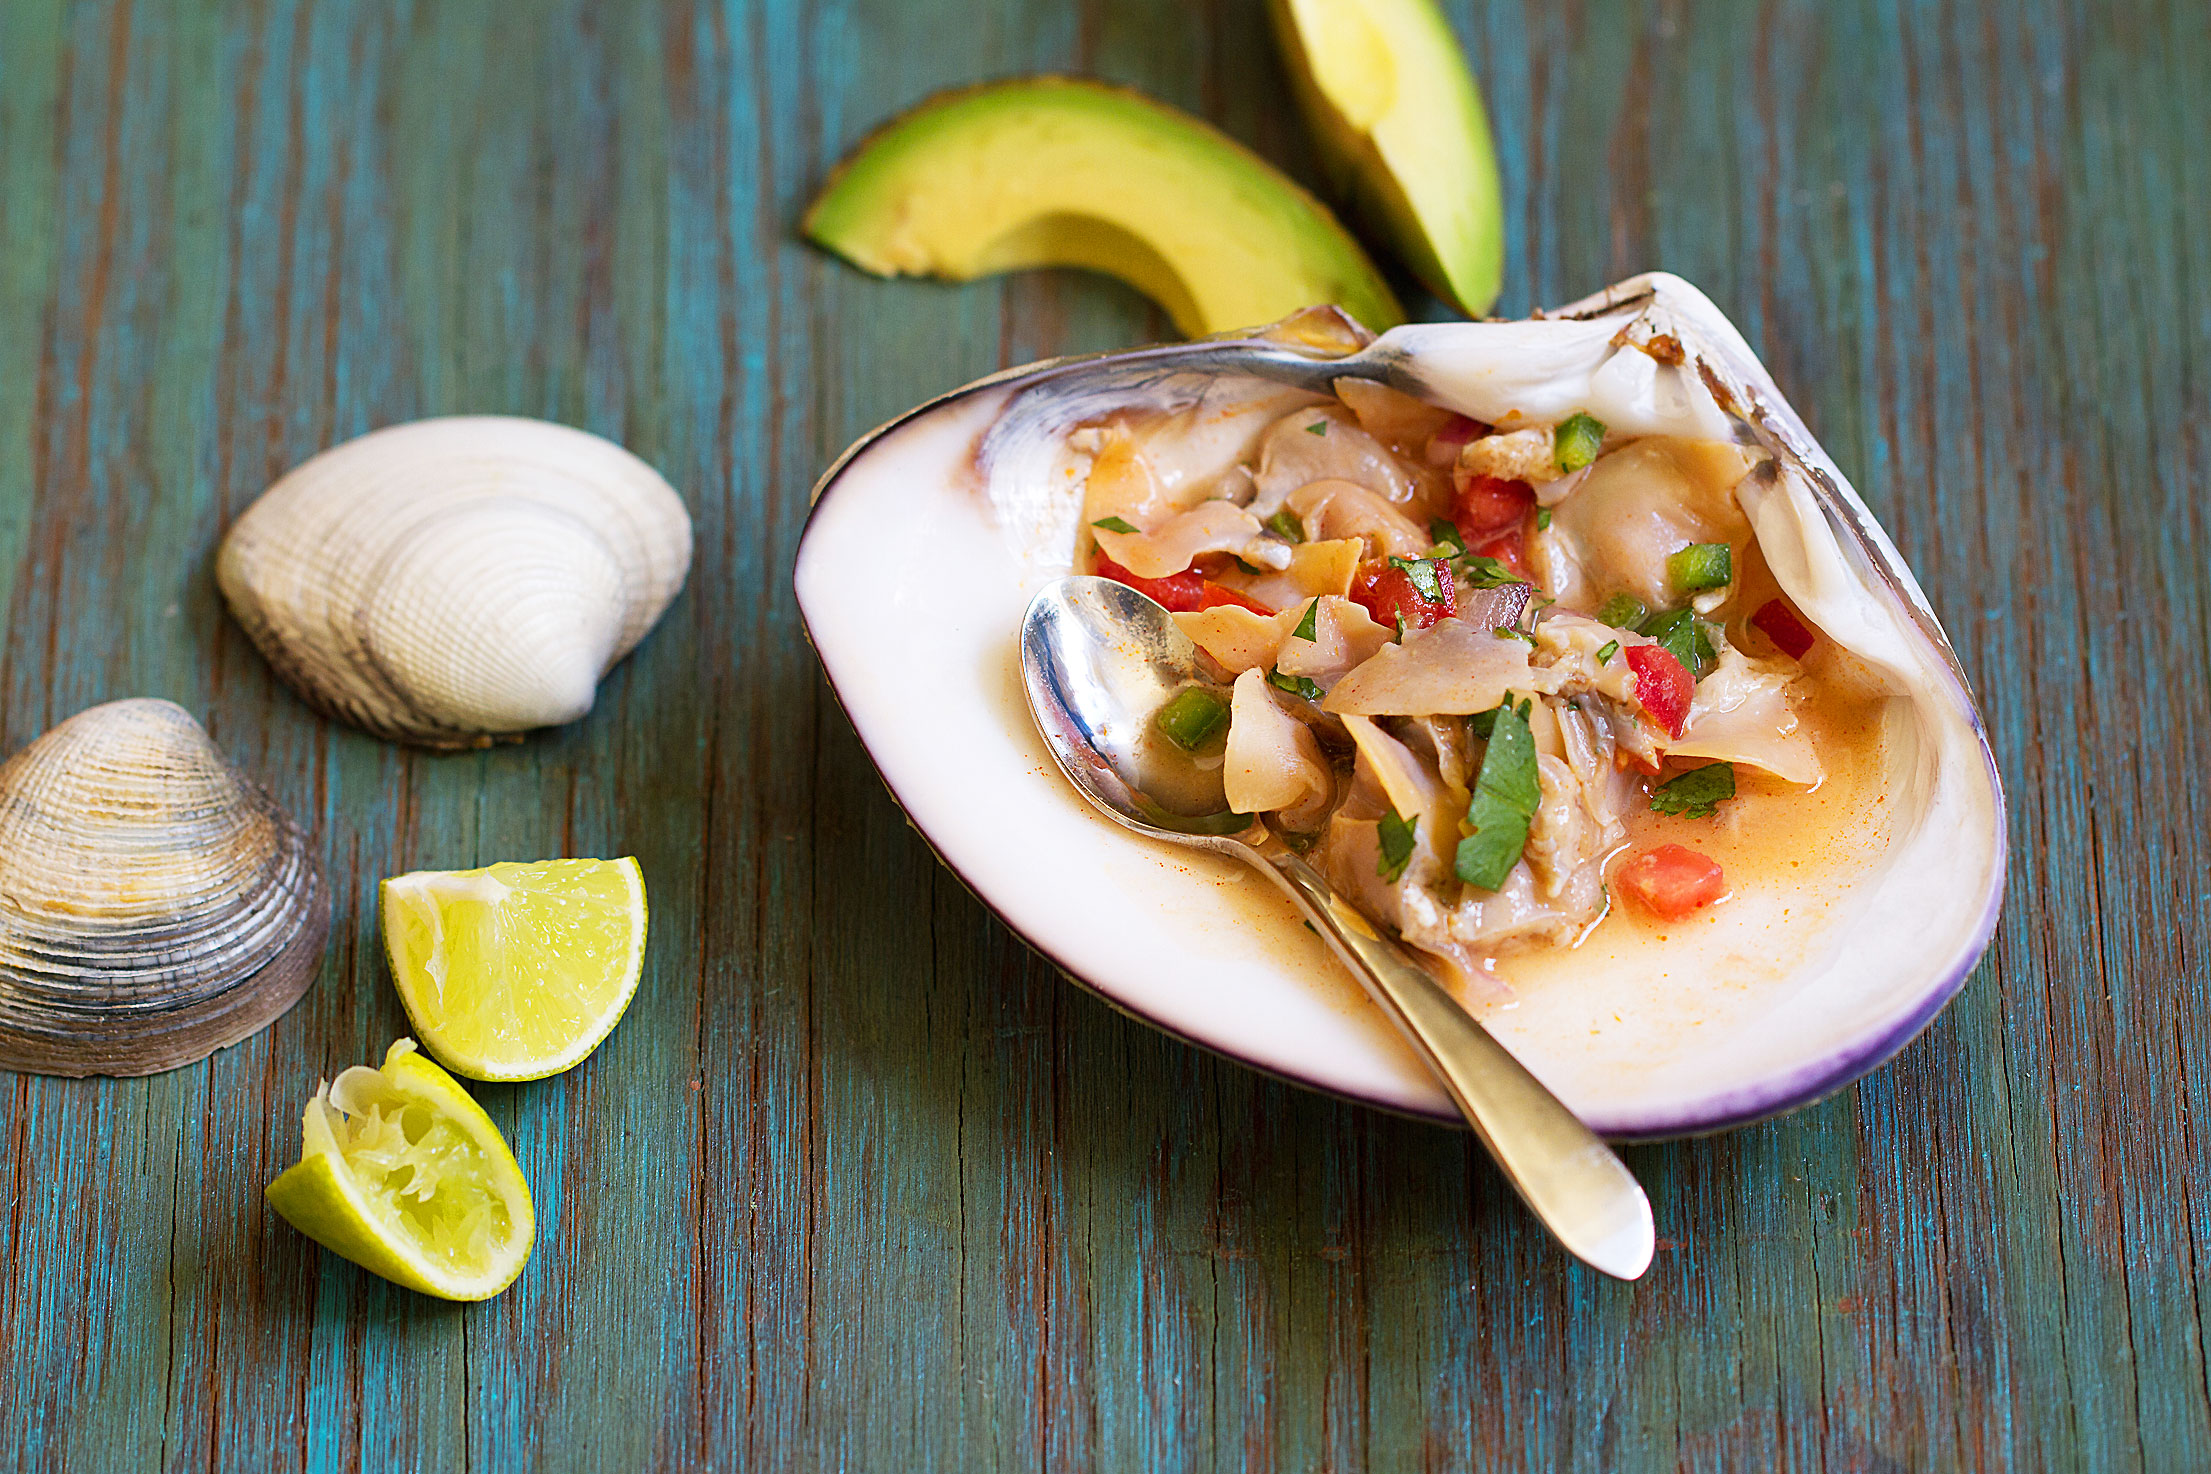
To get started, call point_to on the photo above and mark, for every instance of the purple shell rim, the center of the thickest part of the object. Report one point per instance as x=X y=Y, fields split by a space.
x=1714 y=1114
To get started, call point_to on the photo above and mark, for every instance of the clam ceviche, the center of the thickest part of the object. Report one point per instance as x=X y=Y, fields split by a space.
x=1496 y=679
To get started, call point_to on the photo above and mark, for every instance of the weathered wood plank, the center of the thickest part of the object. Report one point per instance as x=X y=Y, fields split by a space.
x=860 y=1181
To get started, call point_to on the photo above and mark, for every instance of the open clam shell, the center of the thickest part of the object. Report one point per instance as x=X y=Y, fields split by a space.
x=154 y=904
x=1769 y=1006
x=452 y=581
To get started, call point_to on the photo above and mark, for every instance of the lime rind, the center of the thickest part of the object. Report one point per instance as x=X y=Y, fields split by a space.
x=405 y=1175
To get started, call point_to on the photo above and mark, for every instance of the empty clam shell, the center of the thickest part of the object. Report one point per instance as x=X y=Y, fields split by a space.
x=454 y=580
x=154 y=904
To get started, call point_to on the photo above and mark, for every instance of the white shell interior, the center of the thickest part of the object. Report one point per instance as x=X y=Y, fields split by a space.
x=1781 y=995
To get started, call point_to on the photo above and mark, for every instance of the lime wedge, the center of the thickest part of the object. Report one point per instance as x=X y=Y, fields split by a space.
x=516 y=972
x=403 y=1174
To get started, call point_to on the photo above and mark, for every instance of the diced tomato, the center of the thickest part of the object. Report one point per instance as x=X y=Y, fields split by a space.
x=1182 y=592
x=1389 y=595
x=1509 y=548
x=1778 y=622
x=1662 y=685
x=1671 y=881
x=1444 y=446
x=1217 y=594
x=1487 y=505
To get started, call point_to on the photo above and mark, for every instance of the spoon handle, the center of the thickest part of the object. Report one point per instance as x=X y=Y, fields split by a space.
x=1583 y=1193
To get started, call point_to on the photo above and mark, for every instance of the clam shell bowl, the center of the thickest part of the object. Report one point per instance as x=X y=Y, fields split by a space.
x=1779 y=1001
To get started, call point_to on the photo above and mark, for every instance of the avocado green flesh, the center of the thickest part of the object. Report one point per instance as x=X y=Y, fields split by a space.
x=1054 y=172
x=1402 y=130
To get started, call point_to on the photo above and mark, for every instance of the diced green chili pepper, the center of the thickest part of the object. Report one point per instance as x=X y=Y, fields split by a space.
x=1623 y=612
x=1193 y=719
x=1701 y=566
x=1576 y=440
x=1611 y=648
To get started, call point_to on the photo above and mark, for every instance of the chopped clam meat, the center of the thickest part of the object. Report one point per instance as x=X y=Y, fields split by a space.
x=1522 y=455
x=1237 y=638
x=1208 y=527
x=1326 y=445
x=1451 y=667
x=1338 y=509
x=1636 y=508
x=1344 y=636
x=1273 y=763
x=1742 y=715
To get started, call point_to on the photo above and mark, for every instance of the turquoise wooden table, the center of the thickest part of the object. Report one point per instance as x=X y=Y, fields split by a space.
x=859 y=1183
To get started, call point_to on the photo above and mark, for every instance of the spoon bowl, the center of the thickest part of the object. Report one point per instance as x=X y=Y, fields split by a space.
x=1098 y=661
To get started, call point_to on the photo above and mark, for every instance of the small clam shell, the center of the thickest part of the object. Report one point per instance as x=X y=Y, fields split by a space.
x=154 y=904
x=451 y=581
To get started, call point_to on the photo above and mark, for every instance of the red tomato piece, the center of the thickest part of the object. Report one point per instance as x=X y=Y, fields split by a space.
x=1216 y=594
x=1778 y=622
x=1487 y=505
x=1671 y=881
x=1663 y=685
x=1389 y=594
x=1509 y=548
x=1444 y=446
x=1182 y=592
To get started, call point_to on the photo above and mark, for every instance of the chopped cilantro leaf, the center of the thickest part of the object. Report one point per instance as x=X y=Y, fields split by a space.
x=1505 y=796
x=1285 y=525
x=1308 y=628
x=1397 y=844
x=1444 y=533
x=1507 y=632
x=1426 y=574
x=1682 y=633
x=1488 y=573
x=1542 y=519
x=1304 y=686
x=1318 y=427
x=1696 y=794
x=1114 y=524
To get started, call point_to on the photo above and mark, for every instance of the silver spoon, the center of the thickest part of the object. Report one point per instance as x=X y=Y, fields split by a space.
x=1099 y=660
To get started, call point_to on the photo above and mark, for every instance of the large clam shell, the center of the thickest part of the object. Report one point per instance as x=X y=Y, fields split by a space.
x=981 y=491
x=452 y=581
x=154 y=904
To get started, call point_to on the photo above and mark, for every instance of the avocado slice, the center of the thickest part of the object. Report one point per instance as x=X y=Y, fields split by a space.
x=1402 y=134
x=1050 y=171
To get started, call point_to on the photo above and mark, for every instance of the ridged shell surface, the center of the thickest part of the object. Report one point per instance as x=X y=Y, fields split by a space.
x=451 y=581
x=155 y=905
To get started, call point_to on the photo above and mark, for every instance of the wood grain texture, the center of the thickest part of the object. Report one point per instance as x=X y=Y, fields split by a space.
x=859 y=1183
